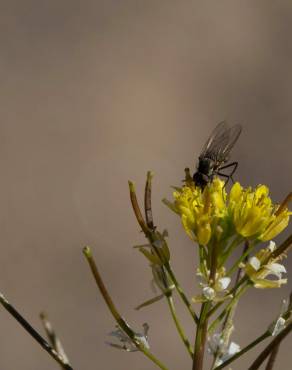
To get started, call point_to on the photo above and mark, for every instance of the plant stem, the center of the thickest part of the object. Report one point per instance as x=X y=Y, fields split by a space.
x=283 y=248
x=227 y=326
x=228 y=307
x=270 y=348
x=147 y=201
x=272 y=358
x=244 y=350
x=242 y=258
x=137 y=210
x=149 y=235
x=120 y=321
x=273 y=355
x=178 y=325
x=43 y=343
x=201 y=336
x=233 y=290
x=230 y=249
x=53 y=338
x=181 y=292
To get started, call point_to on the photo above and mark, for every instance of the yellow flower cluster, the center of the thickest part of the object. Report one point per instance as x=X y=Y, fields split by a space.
x=212 y=212
x=254 y=214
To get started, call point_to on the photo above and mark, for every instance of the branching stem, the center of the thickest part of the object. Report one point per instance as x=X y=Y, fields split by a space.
x=119 y=319
x=41 y=341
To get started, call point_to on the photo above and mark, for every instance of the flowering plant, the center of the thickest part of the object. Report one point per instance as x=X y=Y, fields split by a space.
x=218 y=222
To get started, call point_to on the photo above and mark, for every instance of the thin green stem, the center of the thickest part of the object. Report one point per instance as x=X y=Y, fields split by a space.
x=227 y=326
x=41 y=341
x=201 y=336
x=228 y=307
x=181 y=292
x=244 y=350
x=240 y=259
x=120 y=321
x=230 y=249
x=233 y=290
x=203 y=257
x=178 y=325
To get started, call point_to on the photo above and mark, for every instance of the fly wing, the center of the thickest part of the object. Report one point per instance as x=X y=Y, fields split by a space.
x=220 y=142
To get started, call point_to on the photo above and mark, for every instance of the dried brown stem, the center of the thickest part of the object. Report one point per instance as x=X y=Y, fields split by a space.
x=147 y=201
x=53 y=338
x=271 y=347
x=272 y=358
x=136 y=208
x=26 y=325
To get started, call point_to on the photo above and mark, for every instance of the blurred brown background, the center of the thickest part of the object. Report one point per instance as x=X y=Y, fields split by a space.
x=94 y=93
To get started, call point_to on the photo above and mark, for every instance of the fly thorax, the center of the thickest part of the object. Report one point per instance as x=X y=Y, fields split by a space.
x=206 y=166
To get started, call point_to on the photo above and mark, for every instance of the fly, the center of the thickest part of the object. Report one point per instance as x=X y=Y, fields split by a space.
x=215 y=154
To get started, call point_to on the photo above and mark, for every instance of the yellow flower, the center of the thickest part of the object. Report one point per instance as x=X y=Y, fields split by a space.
x=249 y=213
x=200 y=211
x=254 y=214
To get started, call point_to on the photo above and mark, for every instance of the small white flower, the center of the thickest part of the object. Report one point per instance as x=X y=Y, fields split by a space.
x=215 y=343
x=231 y=351
x=255 y=263
x=272 y=246
x=223 y=283
x=276 y=269
x=278 y=326
x=280 y=323
x=208 y=293
x=233 y=348
x=212 y=290
x=261 y=267
x=126 y=343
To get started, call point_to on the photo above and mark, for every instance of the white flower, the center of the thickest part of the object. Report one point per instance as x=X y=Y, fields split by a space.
x=231 y=351
x=276 y=269
x=272 y=246
x=213 y=290
x=215 y=343
x=126 y=342
x=278 y=326
x=280 y=323
x=255 y=263
x=261 y=269
x=216 y=346
x=208 y=293
x=223 y=283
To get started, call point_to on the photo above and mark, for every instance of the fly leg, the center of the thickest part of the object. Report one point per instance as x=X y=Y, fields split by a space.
x=234 y=165
x=226 y=176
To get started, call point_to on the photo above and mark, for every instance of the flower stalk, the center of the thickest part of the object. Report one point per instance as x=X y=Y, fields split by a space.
x=41 y=341
x=254 y=343
x=272 y=358
x=149 y=230
x=53 y=338
x=201 y=336
x=178 y=326
x=120 y=321
x=271 y=347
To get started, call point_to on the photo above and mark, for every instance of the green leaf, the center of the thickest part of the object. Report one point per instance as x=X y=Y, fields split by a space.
x=150 y=301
